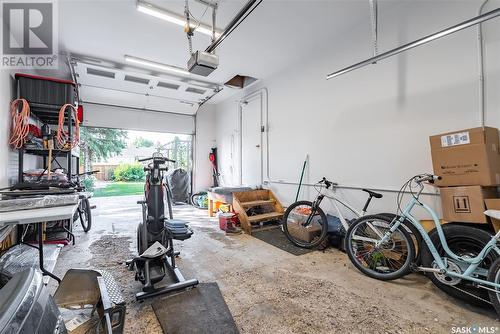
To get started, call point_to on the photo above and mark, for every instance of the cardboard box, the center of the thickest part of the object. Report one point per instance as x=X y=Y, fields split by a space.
x=302 y=233
x=494 y=204
x=466 y=204
x=467 y=157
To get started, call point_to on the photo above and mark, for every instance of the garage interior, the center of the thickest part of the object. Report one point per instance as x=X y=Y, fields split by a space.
x=250 y=166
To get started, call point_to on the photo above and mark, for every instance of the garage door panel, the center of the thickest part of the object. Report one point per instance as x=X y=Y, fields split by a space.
x=140 y=101
x=99 y=115
x=177 y=106
x=105 y=96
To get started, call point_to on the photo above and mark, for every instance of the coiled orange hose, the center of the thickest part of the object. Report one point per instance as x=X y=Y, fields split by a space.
x=20 y=123
x=62 y=136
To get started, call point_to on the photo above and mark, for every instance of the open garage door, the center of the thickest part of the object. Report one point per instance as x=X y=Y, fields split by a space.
x=114 y=155
x=100 y=115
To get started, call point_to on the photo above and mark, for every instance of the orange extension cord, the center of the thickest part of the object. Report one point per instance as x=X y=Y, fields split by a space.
x=20 y=123
x=62 y=136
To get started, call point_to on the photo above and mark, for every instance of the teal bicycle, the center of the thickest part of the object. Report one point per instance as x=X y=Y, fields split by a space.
x=382 y=248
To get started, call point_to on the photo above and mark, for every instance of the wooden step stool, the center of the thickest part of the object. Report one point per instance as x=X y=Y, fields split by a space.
x=263 y=200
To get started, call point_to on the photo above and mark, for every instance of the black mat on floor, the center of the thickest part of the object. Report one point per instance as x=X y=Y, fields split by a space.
x=278 y=239
x=197 y=311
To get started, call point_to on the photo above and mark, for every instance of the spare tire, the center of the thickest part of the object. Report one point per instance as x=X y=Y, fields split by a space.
x=462 y=240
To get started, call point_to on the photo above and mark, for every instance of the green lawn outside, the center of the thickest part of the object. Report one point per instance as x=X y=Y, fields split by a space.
x=120 y=189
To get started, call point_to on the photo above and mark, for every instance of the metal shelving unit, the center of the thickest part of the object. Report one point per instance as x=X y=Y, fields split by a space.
x=45 y=97
x=72 y=156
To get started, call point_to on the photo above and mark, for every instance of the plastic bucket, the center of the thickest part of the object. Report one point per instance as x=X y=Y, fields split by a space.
x=224 y=218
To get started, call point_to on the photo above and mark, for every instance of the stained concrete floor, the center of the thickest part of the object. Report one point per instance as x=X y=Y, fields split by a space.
x=266 y=289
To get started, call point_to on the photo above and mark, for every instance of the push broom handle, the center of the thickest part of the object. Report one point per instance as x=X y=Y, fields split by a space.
x=301 y=178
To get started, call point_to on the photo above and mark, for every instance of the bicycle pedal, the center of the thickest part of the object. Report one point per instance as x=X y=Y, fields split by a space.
x=414 y=268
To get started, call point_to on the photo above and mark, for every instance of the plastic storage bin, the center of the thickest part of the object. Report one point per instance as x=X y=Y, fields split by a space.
x=45 y=91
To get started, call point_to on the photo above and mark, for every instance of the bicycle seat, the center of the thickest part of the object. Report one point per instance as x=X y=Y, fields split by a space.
x=372 y=193
x=154 y=251
x=493 y=213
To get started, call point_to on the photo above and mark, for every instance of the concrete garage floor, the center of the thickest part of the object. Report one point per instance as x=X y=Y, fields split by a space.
x=266 y=289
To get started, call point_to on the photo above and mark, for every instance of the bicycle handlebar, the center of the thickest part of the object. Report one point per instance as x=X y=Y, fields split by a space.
x=156 y=158
x=327 y=183
x=427 y=178
x=88 y=173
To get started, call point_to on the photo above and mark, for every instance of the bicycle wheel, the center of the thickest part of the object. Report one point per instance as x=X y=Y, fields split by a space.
x=415 y=236
x=194 y=199
x=85 y=214
x=494 y=276
x=464 y=241
x=303 y=226
x=387 y=261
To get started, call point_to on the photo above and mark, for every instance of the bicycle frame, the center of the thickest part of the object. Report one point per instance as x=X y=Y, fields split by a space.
x=472 y=263
x=334 y=199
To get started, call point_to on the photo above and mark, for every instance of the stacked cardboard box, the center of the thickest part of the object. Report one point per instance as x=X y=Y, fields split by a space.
x=468 y=162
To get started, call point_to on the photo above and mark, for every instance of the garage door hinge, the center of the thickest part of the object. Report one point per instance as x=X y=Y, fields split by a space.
x=262 y=128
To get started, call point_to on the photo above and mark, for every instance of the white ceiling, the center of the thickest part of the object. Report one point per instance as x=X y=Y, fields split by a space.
x=274 y=37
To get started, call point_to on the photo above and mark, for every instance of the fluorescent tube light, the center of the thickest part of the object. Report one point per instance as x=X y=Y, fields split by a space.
x=153 y=64
x=172 y=17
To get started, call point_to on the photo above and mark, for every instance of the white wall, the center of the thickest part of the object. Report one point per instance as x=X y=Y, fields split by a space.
x=370 y=127
x=491 y=37
x=8 y=157
x=204 y=141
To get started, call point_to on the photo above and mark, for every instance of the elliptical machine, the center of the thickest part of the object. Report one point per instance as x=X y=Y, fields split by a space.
x=155 y=235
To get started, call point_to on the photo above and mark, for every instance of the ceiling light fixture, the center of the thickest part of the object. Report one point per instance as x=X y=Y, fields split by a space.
x=147 y=8
x=153 y=64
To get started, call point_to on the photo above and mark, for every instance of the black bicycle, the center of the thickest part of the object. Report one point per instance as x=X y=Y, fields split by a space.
x=83 y=212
